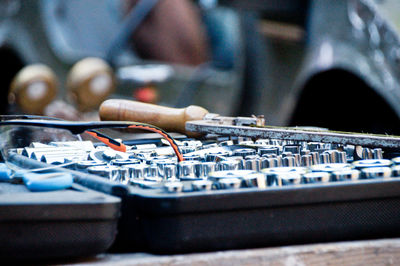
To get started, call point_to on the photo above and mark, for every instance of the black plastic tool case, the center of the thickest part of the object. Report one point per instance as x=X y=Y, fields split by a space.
x=58 y=224
x=161 y=222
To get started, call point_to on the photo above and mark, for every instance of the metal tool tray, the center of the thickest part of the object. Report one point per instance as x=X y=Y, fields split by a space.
x=58 y=224
x=161 y=222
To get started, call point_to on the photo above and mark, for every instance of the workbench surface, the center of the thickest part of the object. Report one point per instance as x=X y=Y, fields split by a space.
x=370 y=252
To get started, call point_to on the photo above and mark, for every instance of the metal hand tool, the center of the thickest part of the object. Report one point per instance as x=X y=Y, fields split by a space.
x=195 y=120
x=38 y=182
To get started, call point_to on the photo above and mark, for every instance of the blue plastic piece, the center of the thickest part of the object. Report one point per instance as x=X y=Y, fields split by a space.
x=5 y=172
x=47 y=182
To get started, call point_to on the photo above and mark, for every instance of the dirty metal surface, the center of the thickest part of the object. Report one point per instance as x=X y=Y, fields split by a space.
x=297 y=134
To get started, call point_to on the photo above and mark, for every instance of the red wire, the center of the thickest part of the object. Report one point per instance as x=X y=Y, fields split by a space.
x=166 y=136
x=122 y=147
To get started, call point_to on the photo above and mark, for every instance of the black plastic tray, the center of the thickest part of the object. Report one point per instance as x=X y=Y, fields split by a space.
x=161 y=222
x=58 y=224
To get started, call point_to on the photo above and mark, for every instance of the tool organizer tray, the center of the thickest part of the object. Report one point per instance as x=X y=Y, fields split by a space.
x=58 y=224
x=155 y=220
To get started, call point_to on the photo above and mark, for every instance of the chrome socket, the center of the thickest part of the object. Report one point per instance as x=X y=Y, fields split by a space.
x=201 y=185
x=316 y=177
x=173 y=187
x=138 y=171
x=345 y=175
x=376 y=172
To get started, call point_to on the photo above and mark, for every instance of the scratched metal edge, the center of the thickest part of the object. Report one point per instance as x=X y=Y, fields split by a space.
x=296 y=134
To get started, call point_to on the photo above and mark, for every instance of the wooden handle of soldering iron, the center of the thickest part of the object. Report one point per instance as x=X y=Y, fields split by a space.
x=169 y=119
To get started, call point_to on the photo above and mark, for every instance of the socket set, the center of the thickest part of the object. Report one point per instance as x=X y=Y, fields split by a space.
x=219 y=165
x=234 y=192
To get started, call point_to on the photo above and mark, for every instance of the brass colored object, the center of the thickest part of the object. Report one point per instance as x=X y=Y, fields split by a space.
x=33 y=88
x=89 y=82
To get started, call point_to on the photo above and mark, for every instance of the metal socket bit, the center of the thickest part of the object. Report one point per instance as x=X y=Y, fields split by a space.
x=145 y=154
x=376 y=172
x=315 y=158
x=106 y=155
x=269 y=156
x=37 y=155
x=110 y=154
x=38 y=145
x=229 y=183
x=244 y=152
x=291 y=148
x=173 y=187
x=189 y=169
x=276 y=142
x=152 y=171
x=245 y=141
x=156 y=180
x=191 y=143
x=207 y=168
x=396 y=171
x=154 y=160
x=254 y=180
x=279 y=160
x=324 y=158
x=82 y=145
x=306 y=160
x=162 y=164
x=121 y=162
x=271 y=150
x=137 y=170
x=272 y=173
x=60 y=159
x=372 y=163
x=187 y=149
x=268 y=162
x=297 y=159
x=201 y=185
x=144 y=147
x=252 y=162
x=333 y=156
x=189 y=157
x=316 y=177
x=289 y=161
x=230 y=165
x=123 y=176
x=377 y=153
x=212 y=156
x=366 y=154
x=264 y=142
x=345 y=175
x=83 y=165
x=341 y=157
x=396 y=160
x=240 y=160
x=225 y=143
x=287 y=154
x=113 y=173
x=287 y=179
x=215 y=176
x=39 y=151
x=170 y=171
x=330 y=167
x=314 y=146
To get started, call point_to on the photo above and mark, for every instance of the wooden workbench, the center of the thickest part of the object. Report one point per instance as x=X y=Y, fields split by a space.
x=372 y=252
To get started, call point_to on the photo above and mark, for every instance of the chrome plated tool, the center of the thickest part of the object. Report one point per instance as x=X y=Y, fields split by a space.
x=195 y=120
